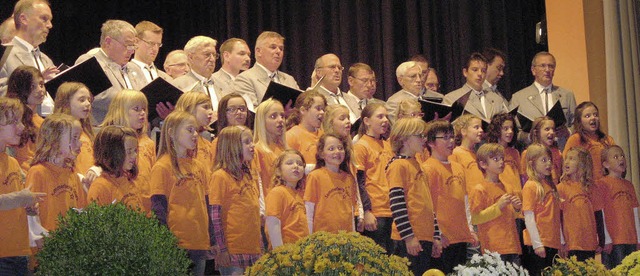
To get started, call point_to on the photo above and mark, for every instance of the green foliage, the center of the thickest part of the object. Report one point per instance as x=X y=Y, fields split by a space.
x=330 y=254
x=111 y=240
x=630 y=265
x=571 y=266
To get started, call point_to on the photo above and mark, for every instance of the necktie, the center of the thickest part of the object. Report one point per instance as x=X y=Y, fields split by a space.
x=207 y=84
x=36 y=57
x=274 y=77
x=483 y=103
x=125 y=76
x=362 y=104
x=149 y=68
x=546 y=100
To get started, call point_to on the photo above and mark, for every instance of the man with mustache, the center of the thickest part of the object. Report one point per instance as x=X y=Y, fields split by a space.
x=235 y=56
x=252 y=84
x=32 y=19
x=330 y=67
x=147 y=47
x=362 y=86
x=481 y=102
x=537 y=99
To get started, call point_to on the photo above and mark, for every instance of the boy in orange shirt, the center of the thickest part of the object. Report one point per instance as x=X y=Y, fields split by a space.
x=494 y=207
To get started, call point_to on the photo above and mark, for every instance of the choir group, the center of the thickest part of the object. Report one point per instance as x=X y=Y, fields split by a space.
x=234 y=173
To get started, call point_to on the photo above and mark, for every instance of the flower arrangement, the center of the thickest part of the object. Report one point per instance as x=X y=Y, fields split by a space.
x=324 y=253
x=489 y=263
x=571 y=266
x=630 y=265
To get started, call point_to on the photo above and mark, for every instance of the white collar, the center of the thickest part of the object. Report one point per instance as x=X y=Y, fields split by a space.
x=541 y=88
x=24 y=43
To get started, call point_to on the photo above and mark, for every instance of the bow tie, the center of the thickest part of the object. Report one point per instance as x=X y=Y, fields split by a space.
x=207 y=82
x=36 y=51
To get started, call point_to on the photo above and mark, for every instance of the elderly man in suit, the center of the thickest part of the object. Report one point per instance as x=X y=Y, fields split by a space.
x=176 y=64
x=362 y=86
x=410 y=78
x=235 y=56
x=202 y=55
x=117 y=44
x=330 y=67
x=253 y=83
x=147 y=47
x=32 y=19
x=423 y=62
x=481 y=103
x=537 y=99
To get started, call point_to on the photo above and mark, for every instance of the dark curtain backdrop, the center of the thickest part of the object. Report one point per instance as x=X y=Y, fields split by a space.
x=380 y=33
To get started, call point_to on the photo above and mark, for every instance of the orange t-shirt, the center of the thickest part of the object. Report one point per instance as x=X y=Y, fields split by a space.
x=263 y=162
x=371 y=156
x=334 y=196
x=619 y=199
x=14 y=232
x=556 y=158
x=206 y=153
x=287 y=205
x=146 y=159
x=447 y=187
x=187 y=216
x=510 y=177
x=499 y=234
x=25 y=154
x=547 y=214
x=106 y=189
x=472 y=173
x=63 y=188
x=579 y=223
x=406 y=174
x=304 y=141
x=594 y=146
x=422 y=156
x=240 y=211
x=85 y=160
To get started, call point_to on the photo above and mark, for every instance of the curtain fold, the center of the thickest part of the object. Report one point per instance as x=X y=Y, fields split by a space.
x=623 y=80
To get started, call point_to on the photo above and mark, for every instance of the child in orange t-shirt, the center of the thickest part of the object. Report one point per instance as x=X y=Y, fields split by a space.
x=620 y=208
x=52 y=171
x=178 y=188
x=543 y=132
x=232 y=110
x=468 y=133
x=303 y=125
x=446 y=182
x=541 y=207
x=26 y=84
x=411 y=108
x=115 y=151
x=494 y=206
x=413 y=227
x=199 y=105
x=74 y=98
x=587 y=135
x=14 y=231
x=269 y=140
x=330 y=193
x=234 y=205
x=578 y=219
x=372 y=153
x=129 y=109
x=286 y=219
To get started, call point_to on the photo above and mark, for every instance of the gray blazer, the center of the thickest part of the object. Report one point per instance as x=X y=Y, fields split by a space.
x=139 y=75
x=394 y=101
x=493 y=102
x=112 y=70
x=189 y=82
x=19 y=56
x=252 y=84
x=353 y=102
x=222 y=79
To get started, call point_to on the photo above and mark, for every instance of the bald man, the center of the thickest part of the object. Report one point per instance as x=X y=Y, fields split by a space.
x=330 y=67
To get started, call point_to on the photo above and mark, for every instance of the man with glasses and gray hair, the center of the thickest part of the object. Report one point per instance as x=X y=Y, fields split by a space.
x=410 y=78
x=362 y=87
x=147 y=47
x=330 y=67
x=537 y=99
x=252 y=84
x=117 y=44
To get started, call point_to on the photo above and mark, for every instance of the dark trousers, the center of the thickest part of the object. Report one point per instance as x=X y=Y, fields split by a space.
x=419 y=264
x=582 y=255
x=14 y=266
x=512 y=258
x=534 y=263
x=618 y=253
x=452 y=256
x=382 y=236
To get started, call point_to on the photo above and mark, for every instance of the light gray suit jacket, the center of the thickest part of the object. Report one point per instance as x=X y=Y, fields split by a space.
x=394 y=101
x=493 y=102
x=354 y=103
x=189 y=82
x=222 y=79
x=141 y=79
x=252 y=84
x=112 y=70
x=19 y=56
x=530 y=105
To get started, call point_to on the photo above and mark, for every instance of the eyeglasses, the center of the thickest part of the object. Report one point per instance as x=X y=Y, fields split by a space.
x=415 y=114
x=546 y=66
x=178 y=64
x=333 y=67
x=214 y=55
x=129 y=47
x=151 y=43
x=446 y=137
x=372 y=81
x=234 y=109
x=421 y=135
x=414 y=77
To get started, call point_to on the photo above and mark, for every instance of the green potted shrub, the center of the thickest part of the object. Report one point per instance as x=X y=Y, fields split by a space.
x=111 y=240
